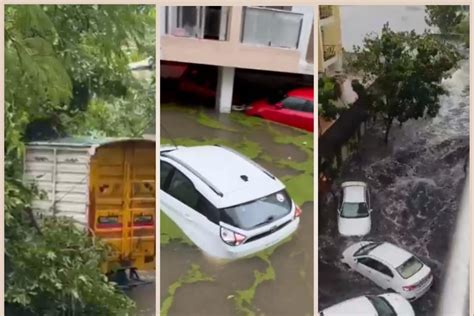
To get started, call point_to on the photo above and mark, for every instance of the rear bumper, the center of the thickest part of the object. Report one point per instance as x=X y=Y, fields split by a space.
x=417 y=294
x=256 y=246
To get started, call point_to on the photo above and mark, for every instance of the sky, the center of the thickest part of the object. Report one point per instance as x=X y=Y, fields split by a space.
x=357 y=21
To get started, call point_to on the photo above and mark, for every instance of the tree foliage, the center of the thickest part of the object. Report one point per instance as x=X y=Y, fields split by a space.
x=328 y=95
x=408 y=69
x=445 y=17
x=66 y=72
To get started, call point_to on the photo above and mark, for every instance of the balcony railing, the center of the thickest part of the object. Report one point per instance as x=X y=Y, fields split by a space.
x=270 y=27
x=325 y=11
x=329 y=51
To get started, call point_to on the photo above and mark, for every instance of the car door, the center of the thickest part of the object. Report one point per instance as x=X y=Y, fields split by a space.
x=180 y=198
x=375 y=270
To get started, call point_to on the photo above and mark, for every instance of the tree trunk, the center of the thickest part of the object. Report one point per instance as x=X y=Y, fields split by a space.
x=387 y=129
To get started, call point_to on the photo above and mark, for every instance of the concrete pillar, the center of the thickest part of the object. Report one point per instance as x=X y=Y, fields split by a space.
x=235 y=24
x=225 y=89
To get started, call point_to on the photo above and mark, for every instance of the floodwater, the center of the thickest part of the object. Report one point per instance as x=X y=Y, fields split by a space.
x=416 y=184
x=144 y=295
x=276 y=283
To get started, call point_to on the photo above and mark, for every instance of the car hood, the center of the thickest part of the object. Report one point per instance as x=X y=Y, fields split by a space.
x=399 y=304
x=354 y=226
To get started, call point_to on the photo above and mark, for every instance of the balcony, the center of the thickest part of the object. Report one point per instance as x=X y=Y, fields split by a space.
x=271 y=27
x=329 y=51
x=325 y=11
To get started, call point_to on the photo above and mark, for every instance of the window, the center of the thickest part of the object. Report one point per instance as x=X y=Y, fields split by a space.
x=269 y=27
x=308 y=107
x=207 y=209
x=257 y=213
x=183 y=189
x=376 y=265
x=197 y=21
x=293 y=103
x=165 y=170
x=354 y=210
x=410 y=267
x=382 y=306
x=366 y=249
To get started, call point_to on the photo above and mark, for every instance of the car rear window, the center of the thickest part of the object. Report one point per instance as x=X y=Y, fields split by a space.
x=259 y=212
x=382 y=306
x=410 y=267
x=366 y=249
x=354 y=210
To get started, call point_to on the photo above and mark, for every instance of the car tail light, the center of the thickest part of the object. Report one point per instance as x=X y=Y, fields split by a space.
x=409 y=288
x=231 y=238
x=297 y=212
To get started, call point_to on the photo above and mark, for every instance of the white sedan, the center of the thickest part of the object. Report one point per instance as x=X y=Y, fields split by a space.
x=370 y=305
x=390 y=267
x=354 y=210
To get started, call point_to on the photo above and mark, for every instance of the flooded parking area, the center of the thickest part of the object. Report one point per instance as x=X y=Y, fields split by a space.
x=277 y=281
x=416 y=183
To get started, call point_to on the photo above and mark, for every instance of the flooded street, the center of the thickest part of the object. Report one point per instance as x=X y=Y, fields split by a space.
x=416 y=183
x=144 y=295
x=278 y=281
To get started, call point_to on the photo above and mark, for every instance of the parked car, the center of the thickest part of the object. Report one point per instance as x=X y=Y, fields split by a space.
x=390 y=267
x=295 y=109
x=390 y=304
x=354 y=212
x=228 y=205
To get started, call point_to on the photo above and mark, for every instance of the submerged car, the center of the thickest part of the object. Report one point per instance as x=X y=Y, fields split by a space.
x=228 y=205
x=390 y=267
x=390 y=304
x=295 y=109
x=354 y=212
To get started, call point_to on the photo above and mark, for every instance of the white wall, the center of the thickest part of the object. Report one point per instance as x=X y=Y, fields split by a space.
x=308 y=18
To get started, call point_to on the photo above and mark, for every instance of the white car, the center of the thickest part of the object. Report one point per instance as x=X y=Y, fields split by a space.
x=354 y=212
x=390 y=267
x=228 y=205
x=390 y=304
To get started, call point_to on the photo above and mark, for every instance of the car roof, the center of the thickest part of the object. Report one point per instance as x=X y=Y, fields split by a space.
x=354 y=306
x=306 y=93
x=354 y=193
x=222 y=169
x=390 y=254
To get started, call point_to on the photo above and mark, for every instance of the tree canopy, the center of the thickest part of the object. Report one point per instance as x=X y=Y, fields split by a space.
x=328 y=95
x=66 y=73
x=407 y=69
x=445 y=17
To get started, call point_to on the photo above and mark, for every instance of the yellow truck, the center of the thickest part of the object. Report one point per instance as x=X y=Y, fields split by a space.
x=107 y=186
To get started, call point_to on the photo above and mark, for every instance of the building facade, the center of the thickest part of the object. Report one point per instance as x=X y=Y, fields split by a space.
x=329 y=40
x=253 y=37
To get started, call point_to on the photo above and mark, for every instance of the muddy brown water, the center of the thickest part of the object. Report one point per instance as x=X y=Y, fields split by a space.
x=291 y=291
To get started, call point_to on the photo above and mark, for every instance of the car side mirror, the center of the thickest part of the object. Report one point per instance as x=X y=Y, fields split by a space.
x=339 y=211
x=279 y=105
x=370 y=211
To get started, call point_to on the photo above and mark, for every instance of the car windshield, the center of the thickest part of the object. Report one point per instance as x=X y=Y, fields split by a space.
x=410 y=267
x=364 y=250
x=354 y=210
x=259 y=212
x=382 y=306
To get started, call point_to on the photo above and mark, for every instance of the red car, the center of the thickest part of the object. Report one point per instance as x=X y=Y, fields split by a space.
x=295 y=109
